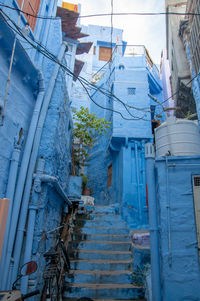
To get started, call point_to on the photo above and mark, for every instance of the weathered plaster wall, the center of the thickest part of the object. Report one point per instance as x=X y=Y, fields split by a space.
x=20 y=100
x=195 y=82
x=101 y=156
x=56 y=139
x=180 y=270
x=132 y=75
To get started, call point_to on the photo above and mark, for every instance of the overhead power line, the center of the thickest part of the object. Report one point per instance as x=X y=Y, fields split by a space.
x=101 y=15
x=83 y=81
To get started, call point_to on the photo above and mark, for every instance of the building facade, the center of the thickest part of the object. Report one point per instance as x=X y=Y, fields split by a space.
x=116 y=166
x=180 y=71
x=35 y=130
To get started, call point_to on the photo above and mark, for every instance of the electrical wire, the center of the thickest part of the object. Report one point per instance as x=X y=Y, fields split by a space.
x=52 y=57
x=175 y=93
x=83 y=81
x=101 y=15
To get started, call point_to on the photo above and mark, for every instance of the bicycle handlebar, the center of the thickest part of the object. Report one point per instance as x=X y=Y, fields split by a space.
x=33 y=293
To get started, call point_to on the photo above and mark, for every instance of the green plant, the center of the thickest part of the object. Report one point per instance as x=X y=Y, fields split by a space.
x=87 y=126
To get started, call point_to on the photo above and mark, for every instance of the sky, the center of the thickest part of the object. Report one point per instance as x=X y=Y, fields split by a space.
x=144 y=30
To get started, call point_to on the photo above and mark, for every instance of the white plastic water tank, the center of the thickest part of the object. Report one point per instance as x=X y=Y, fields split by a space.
x=177 y=137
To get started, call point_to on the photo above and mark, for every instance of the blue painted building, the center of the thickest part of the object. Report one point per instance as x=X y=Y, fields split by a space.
x=35 y=130
x=116 y=169
x=174 y=226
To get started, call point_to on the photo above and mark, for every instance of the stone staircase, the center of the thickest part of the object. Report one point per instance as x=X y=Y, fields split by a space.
x=101 y=258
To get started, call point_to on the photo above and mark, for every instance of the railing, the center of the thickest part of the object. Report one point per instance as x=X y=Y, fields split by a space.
x=139 y=50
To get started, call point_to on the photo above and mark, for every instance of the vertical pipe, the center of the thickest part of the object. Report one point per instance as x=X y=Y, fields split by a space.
x=168 y=214
x=153 y=223
x=138 y=181
x=28 y=184
x=21 y=181
x=33 y=207
x=143 y=202
x=10 y=195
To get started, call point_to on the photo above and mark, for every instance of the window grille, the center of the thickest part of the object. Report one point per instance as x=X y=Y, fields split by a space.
x=131 y=91
x=197 y=181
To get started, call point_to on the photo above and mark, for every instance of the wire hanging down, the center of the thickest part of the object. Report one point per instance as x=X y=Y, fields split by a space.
x=86 y=84
x=101 y=15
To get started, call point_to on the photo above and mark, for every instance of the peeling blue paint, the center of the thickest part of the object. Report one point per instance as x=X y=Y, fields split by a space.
x=56 y=139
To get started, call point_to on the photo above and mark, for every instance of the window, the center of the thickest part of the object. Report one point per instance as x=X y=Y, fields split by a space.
x=131 y=91
x=31 y=7
x=109 y=179
x=196 y=181
x=105 y=54
x=94 y=50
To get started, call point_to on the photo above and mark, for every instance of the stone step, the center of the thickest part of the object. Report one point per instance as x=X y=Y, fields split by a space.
x=79 y=276
x=96 y=254
x=75 y=299
x=113 y=209
x=101 y=245
x=101 y=264
x=99 y=216
x=101 y=230
x=100 y=223
x=104 y=290
x=107 y=237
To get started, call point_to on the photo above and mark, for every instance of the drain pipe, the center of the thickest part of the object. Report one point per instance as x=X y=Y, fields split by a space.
x=153 y=222
x=33 y=207
x=39 y=179
x=20 y=183
x=138 y=181
x=54 y=181
x=10 y=195
x=33 y=158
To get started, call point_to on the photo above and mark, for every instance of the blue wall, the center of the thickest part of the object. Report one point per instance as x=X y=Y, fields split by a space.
x=123 y=145
x=56 y=137
x=179 y=260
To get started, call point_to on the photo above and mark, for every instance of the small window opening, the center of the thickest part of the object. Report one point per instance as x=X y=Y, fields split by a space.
x=131 y=91
x=94 y=50
x=196 y=181
x=109 y=179
x=20 y=136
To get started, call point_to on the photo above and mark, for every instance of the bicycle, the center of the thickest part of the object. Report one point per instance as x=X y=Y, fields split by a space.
x=57 y=265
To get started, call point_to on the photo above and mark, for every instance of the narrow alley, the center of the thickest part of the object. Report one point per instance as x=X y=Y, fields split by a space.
x=100 y=150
